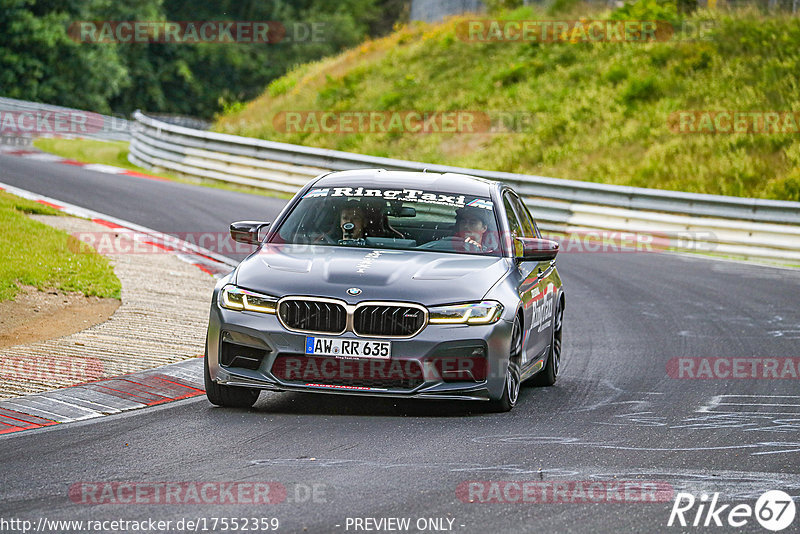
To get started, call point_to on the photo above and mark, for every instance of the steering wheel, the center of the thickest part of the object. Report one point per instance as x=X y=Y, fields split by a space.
x=452 y=243
x=322 y=237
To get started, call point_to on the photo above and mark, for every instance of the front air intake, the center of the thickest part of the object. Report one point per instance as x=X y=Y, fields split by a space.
x=313 y=316
x=388 y=320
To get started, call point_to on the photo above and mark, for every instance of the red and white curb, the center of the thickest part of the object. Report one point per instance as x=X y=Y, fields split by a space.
x=208 y=261
x=30 y=153
x=114 y=395
x=182 y=380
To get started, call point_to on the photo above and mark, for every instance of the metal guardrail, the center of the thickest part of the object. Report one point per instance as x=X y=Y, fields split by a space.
x=727 y=225
x=35 y=119
x=182 y=120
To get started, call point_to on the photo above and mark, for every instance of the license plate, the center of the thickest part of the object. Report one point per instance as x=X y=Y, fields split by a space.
x=348 y=348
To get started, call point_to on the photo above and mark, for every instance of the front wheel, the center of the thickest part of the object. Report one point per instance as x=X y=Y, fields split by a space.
x=227 y=396
x=512 y=379
x=548 y=375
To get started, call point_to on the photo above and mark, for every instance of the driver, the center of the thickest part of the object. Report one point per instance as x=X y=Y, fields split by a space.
x=348 y=225
x=352 y=220
x=355 y=221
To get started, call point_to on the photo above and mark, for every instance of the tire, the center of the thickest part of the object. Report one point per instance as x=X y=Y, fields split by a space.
x=512 y=379
x=227 y=396
x=548 y=375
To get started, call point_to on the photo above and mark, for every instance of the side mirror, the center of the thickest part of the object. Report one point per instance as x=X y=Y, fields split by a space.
x=532 y=249
x=247 y=231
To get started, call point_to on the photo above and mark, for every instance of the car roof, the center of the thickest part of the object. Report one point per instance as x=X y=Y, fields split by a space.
x=427 y=181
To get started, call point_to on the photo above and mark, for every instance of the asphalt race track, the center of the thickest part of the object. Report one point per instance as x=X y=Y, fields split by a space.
x=614 y=415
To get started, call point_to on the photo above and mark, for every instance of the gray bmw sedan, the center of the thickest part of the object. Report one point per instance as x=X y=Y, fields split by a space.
x=387 y=283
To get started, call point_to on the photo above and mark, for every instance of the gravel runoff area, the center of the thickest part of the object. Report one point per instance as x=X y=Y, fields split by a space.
x=162 y=320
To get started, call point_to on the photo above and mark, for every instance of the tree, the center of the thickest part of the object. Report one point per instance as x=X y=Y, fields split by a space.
x=39 y=61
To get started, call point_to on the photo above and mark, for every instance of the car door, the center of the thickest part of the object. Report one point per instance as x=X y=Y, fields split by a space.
x=544 y=303
x=529 y=289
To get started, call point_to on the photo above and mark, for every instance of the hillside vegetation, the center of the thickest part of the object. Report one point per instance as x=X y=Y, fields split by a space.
x=600 y=111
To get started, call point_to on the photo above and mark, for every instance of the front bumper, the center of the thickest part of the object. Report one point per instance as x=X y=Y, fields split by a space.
x=454 y=362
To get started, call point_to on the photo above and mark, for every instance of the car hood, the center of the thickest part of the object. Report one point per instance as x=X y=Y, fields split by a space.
x=424 y=277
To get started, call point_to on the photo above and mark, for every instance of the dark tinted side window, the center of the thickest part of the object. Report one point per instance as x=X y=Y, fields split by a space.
x=528 y=228
x=513 y=221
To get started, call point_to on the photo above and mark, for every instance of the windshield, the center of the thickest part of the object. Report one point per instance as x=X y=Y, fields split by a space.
x=394 y=218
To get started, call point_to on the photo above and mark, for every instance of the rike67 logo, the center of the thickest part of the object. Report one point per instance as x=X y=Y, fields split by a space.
x=774 y=510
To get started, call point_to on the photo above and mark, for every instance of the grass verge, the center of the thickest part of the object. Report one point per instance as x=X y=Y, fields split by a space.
x=113 y=153
x=38 y=255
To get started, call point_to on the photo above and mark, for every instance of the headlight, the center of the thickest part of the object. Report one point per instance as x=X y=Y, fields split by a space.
x=235 y=298
x=486 y=312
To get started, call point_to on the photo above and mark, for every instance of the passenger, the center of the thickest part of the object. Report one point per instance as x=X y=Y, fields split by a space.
x=471 y=226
